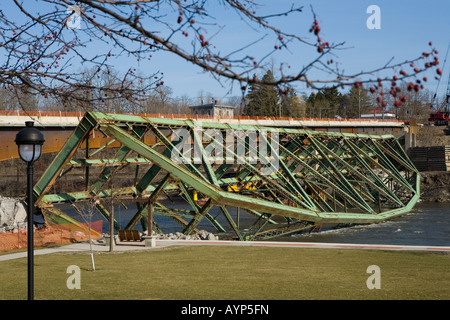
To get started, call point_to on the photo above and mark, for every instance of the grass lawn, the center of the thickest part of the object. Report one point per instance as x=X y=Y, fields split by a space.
x=233 y=273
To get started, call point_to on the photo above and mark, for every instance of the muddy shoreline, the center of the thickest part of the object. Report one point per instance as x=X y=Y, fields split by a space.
x=435 y=186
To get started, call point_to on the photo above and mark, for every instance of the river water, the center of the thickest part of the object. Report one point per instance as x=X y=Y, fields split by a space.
x=428 y=224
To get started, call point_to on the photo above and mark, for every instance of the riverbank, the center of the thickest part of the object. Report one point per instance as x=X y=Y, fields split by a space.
x=435 y=186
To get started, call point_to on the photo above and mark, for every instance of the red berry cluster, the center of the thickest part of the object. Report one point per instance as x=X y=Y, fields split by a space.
x=203 y=41
x=280 y=38
x=417 y=85
x=180 y=20
x=316 y=29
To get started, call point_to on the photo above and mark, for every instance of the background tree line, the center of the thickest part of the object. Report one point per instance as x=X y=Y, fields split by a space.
x=106 y=95
x=42 y=52
x=266 y=100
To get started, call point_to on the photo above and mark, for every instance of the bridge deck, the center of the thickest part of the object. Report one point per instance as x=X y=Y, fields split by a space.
x=58 y=126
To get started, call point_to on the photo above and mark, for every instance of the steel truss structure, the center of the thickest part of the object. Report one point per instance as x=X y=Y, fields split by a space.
x=285 y=180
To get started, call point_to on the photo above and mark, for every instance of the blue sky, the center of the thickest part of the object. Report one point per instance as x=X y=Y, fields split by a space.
x=406 y=29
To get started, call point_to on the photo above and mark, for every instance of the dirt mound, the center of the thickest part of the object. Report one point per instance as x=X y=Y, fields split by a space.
x=429 y=136
x=46 y=236
x=435 y=186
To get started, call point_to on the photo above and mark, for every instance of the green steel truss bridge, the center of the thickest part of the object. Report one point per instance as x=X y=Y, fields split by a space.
x=284 y=180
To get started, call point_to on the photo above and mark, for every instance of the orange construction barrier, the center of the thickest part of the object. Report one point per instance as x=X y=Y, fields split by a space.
x=49 y=235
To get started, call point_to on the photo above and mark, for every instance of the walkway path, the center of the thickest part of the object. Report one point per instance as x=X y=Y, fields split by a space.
x=128 y=246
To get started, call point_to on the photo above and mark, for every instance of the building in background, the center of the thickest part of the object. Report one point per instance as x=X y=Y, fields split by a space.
x=213 y=109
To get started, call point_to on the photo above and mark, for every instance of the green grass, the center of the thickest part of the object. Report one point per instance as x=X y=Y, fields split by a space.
x=244 y=273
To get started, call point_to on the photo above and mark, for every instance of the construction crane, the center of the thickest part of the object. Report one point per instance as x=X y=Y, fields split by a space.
x=442 y=118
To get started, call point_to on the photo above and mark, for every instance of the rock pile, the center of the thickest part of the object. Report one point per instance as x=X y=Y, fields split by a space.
x=13 y=214
x=435 y=186
x=201 y=235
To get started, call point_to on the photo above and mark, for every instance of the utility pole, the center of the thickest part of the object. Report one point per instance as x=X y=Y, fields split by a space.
x=359 y=102
x=111 y=220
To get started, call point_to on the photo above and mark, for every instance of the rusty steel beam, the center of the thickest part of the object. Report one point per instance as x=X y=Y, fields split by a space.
x=58 y=126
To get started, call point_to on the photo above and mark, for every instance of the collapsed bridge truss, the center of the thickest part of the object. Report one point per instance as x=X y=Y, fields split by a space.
x=285 y=180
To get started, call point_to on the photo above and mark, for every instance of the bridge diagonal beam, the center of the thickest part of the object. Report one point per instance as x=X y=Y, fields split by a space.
x=364 y=162
x=386 y=166
x=316 y=178
x=107 y=173
x=377 y=185
x=249 y=168
x=334 y=177
x=57 y=165
x=217 y=195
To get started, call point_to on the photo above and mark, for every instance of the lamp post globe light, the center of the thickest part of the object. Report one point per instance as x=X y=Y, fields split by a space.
x=29 y=141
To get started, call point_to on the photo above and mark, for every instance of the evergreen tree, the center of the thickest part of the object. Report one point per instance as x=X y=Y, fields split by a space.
x=292 y=105
x=334 y=97
x=357 y=102
x=262 y=100
x=327 y=103
x=318 y=105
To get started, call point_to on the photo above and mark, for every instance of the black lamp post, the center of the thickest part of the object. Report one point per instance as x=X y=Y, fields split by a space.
x=30 y=141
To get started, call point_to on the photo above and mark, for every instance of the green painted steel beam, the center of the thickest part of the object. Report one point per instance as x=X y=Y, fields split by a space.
x=218 y=196
x=323 y=177
x=63 y=157
x=103 y=162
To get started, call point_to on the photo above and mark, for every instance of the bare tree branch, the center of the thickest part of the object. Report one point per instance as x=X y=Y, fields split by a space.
x=41 y=53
